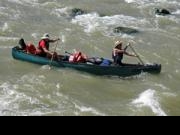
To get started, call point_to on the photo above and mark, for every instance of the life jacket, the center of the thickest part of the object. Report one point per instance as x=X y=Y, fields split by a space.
x=31 y=49
x=77 y=58
x=41 y=48
x=114 y=55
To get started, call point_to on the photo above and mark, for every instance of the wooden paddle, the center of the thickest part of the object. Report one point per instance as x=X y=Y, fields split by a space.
x=50 y=64
x=136 y=54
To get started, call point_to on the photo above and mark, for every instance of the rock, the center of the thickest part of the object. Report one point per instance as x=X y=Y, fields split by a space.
x=76 y=11
x=125 y=30
x=162 y=12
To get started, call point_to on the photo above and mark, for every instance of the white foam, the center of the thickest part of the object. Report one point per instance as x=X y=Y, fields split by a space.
x=58 y=86
x=177 y=12
x=35 y=35
x=6 y=47
x=161 y=86
x=24 y=1
x=5 y=27
x=60 y=12
x=7 y=96
x=88 y=109
x=168 y=94
x=4 y=86
x=145 y=1
x=93 y=22
x=63 y=38
x=177 y=71
x=15 y=1
x=8 y=38
x=89 y=21
x=33 y=79
x=149 y=99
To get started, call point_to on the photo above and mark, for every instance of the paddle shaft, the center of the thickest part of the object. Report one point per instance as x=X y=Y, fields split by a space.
x=53 y=54
x=136 y=54
x=68 y=53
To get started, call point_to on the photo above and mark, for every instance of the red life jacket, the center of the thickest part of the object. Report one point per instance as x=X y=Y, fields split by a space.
x=30 y=48
x=43 y=44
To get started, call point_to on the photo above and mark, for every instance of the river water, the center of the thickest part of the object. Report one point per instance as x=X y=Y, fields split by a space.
x=28 y=89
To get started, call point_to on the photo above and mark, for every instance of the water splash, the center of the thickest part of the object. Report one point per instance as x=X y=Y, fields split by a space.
x=148 y=99
x=94 y=22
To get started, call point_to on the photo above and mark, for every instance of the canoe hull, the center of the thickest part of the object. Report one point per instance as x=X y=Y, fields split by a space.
x=124 y=71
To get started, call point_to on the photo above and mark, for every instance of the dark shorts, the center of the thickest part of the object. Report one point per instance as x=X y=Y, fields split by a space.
x=118 y=60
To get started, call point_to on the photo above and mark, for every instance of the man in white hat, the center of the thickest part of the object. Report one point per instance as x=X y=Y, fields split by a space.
x=118 y=53
x=43 y=47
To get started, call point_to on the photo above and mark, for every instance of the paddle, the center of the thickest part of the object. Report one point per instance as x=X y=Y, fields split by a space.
x=53 y=55
x=136 y=54
x=68 y=53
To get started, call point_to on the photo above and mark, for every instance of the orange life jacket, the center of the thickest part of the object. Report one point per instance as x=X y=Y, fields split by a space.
x=77 y=58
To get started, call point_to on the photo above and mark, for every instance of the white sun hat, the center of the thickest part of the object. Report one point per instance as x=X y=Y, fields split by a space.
x=45 y=36
x=117 y=43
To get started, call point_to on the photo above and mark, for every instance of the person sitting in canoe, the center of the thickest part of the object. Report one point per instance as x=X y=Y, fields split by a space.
x=27 y=48
x=118 y=53
x=43 y=47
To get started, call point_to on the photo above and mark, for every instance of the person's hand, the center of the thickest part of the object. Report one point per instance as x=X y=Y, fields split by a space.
x=128 y=44
x=58 y=39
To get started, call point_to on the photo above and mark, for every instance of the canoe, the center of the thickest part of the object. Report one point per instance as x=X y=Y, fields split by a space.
x=121 y=71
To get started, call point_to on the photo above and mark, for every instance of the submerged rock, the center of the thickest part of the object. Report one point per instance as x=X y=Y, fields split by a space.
x=76 y=11
x=162 y=12
x=125 y=30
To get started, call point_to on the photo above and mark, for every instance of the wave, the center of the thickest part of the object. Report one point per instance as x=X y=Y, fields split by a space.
x=84 y=109
x=24 y=1
x=13 y=98
x=5 y=27
x=8 y=38
x=6 y=47
x=8 y=97
x=148 y=99
x=61 y=12
x=94 y=22
x=177 y=12
x=142 y=2
x=30 y=95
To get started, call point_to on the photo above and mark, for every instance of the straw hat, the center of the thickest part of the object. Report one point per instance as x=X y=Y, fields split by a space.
x=118 y=43
x=45 y=36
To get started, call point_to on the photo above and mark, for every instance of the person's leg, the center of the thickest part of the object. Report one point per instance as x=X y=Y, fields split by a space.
x=119 y=61
x=55 y=56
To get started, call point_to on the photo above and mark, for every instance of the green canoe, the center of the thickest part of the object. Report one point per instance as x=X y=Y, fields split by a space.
x=121 y=71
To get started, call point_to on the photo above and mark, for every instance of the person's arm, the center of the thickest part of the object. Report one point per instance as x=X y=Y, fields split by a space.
x=55 y=40
x=46 y=51
x=42 y=44
x=119 y=51
x=131 y=55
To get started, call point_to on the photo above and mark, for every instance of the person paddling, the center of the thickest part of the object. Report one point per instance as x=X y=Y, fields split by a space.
x=118 y=53
x=43 y=47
